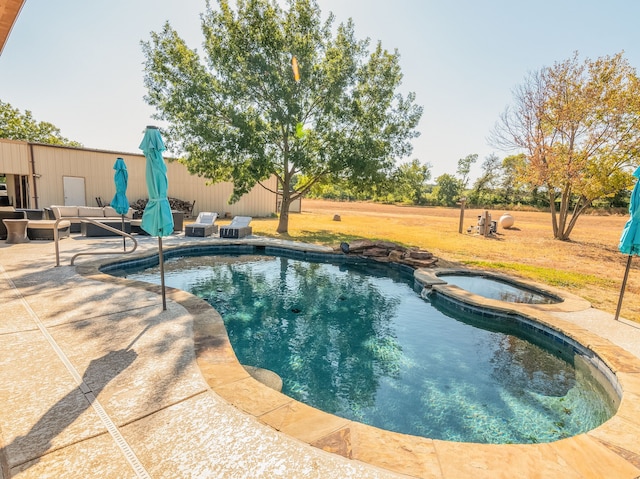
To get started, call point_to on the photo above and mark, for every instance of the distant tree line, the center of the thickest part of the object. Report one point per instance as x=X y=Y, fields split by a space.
x=501 y=185
x=575 y=129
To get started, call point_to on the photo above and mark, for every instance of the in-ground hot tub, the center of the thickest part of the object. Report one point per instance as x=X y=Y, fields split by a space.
x=498 y=287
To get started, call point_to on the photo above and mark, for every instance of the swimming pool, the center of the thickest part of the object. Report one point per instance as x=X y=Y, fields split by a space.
x=368 y=348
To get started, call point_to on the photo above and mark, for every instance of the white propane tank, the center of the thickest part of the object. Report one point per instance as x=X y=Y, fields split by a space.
x=506 y=221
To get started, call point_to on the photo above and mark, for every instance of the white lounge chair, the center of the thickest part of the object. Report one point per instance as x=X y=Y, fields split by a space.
x=238 y=228
x=204 y=225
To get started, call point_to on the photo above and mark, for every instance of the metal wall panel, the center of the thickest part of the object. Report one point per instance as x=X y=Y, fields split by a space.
x=14 y=157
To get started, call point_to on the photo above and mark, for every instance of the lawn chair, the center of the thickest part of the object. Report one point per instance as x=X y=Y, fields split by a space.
x=204 y=225
x=238 y=228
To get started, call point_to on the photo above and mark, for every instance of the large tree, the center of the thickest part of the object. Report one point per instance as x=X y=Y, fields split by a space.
x=277 y=91
x=464 y=168
x=448 y=189
x=485 y=191
x=16 y=125
x=409 y=182
x=513 y=188
x=578 y=124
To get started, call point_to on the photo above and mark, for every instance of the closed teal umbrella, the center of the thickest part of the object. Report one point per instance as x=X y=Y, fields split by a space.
x=156 y=219
x=120 y=203
x=630 y=239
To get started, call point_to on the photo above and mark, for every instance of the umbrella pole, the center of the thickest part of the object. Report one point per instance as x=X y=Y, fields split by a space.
x=164 y=298
x=124 y=238
x=624 y=285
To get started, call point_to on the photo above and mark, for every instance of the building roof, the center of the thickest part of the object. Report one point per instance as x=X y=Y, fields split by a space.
x=9 y=11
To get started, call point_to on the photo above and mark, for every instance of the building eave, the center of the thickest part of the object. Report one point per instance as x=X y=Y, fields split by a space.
x=9 y=11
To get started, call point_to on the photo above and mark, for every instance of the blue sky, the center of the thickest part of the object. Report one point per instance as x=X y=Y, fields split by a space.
x=78 y=63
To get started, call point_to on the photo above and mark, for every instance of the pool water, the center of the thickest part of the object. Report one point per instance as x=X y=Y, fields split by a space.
x=369 y=348
x=496 y=289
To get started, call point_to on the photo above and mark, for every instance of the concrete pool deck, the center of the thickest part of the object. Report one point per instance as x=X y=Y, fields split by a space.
x=96 y=380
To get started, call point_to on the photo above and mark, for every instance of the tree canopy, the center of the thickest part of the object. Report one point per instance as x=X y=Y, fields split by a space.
x=277 y=91
x=409 y=182
x=464 y=168
x=448 y=189
x=15 y=125
x=578 y=125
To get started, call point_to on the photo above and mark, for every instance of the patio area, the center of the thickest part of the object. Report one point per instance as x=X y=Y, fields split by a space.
x=96 y=380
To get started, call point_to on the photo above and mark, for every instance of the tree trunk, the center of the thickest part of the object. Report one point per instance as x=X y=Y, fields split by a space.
x=565 y=199
x=581 y=206
x=283 y=223
x=552 y=207
x=562 y=236
x=560 y=216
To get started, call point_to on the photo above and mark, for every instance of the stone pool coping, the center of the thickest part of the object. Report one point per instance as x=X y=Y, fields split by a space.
x=611 y=450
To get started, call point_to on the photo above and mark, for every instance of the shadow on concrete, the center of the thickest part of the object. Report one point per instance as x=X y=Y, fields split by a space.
x=28 y=449
x=100 y=325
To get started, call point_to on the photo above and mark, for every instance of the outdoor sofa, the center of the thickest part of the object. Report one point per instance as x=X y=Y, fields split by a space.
x=36 y=229
x=106 y=214
x=44 y=229
x=178 y=223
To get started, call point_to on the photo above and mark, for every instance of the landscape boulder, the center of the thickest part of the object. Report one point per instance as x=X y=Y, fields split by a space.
x=386 y=251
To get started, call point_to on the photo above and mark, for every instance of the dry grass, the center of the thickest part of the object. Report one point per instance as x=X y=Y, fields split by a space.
x=590 y=265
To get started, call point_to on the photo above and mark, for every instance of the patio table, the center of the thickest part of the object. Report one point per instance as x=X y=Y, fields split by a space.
x=16 y=230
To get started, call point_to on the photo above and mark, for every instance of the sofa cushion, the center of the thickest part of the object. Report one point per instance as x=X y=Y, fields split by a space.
x=64 y=211
x=111 y=212
x=90 y=211
x=47 y=224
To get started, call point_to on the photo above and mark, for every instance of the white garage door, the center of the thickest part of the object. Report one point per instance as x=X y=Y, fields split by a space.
x=74 y=191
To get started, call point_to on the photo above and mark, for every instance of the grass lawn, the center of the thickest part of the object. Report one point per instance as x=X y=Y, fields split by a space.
x=589 y=265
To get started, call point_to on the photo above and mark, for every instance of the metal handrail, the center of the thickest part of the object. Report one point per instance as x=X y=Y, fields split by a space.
x=56 y=238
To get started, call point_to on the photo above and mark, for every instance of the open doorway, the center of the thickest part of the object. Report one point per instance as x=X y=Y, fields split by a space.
x=15 y=191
